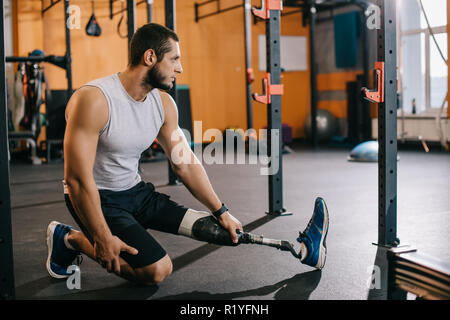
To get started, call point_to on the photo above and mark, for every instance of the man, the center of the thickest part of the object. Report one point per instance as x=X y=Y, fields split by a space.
x=110 y=122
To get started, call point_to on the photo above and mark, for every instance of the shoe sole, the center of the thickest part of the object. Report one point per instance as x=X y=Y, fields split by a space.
x=323 y=247
x=50 y=231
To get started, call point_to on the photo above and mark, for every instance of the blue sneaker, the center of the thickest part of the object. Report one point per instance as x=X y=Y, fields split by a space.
x=314 y=236
x=59 y=256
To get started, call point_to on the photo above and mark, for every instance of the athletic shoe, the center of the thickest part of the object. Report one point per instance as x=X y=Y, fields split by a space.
x=59 y=256
x=314 y=236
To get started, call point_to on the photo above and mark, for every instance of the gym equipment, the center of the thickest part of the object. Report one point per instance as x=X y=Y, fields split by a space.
x=424 y=276
x=327 y=125
x=92 y=27
x=403 y=272
x=365 y=152
x=270 y=12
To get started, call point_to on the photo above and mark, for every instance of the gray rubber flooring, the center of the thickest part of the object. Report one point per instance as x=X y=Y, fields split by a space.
x=251 y=272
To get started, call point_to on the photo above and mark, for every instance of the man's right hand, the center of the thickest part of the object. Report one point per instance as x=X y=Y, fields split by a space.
x=107 y=253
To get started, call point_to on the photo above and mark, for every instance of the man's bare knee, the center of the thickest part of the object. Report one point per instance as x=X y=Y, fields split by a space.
x=156 y=272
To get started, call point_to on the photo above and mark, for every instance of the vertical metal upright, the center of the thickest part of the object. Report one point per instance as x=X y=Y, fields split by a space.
x=313 y=71
x=7 y=290
x=131 y=19
x=273 y=89
x=68 y=50
x=274 y=112
x=367 y=121
x=248 y=61
x=385 y=95
x=387 y=127
x=170 y=17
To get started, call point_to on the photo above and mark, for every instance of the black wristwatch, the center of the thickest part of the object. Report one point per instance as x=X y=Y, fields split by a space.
x=219 y=212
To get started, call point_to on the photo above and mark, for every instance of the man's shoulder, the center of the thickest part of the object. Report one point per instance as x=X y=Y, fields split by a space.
x=88 y=101
x=167 y=100
x=89 y=94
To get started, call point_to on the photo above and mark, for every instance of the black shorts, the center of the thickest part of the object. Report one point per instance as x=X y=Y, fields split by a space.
x=130 y=213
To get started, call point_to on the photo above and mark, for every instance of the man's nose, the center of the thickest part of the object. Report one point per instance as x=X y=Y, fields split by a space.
x=179 y=68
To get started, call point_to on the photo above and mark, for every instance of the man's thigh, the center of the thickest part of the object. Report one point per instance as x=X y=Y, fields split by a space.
x=123 y=225
x=157 y=211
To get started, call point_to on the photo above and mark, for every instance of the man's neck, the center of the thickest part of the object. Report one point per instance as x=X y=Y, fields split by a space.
x=133 y=82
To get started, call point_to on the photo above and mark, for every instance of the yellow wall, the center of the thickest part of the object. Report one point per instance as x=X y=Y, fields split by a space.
x=212 y=57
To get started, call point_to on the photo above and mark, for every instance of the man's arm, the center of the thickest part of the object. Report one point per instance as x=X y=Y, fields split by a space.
x=190 y=170
x=86 y=115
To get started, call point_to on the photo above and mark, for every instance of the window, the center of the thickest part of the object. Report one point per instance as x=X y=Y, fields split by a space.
x=423 y=72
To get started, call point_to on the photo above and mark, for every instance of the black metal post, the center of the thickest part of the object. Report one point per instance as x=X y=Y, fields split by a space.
x=68 y=50
x=274 y=114
x=170 y=8
x=248 y=60
x=387 y=128
x=7 y=290
x=131 y=19
x=313 y=75
x=367 y=121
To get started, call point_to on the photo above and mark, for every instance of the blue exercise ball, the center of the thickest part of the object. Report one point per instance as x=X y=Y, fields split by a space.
x=365 y=152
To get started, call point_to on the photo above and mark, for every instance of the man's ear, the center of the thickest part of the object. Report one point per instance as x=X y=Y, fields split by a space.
x=150 y=57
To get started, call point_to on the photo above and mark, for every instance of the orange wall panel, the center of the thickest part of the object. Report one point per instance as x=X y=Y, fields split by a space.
x=336 y=80
x=213 y=57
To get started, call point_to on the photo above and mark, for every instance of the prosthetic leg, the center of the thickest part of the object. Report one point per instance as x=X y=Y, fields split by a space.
x=203 y=226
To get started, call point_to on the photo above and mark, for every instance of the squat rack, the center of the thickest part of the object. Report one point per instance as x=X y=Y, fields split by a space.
x=385 y=95
x=270 y=12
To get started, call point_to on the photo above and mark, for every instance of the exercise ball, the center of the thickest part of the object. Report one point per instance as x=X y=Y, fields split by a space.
x=327 y=125
x=365 y=152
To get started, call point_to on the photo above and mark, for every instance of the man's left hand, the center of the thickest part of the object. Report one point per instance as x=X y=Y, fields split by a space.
x=231 y=224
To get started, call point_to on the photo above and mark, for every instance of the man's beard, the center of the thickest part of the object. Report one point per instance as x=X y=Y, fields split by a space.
x=155 y=78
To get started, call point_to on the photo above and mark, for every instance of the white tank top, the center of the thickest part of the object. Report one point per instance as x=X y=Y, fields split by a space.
x=131 y=128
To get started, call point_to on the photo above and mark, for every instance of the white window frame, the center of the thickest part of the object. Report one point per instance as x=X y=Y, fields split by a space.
x=436 y=30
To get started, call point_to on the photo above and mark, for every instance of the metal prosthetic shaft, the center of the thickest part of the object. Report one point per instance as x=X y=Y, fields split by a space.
x=283 y=245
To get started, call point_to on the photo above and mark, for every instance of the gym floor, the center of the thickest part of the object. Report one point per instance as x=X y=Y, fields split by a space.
x=205 y=271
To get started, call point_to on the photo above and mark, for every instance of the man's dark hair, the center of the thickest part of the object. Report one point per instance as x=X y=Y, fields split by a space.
x=150 y=36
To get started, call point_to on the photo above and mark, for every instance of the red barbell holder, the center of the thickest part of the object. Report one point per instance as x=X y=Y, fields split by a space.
x=266 y=6
x=268 y=90
x=377 y=95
